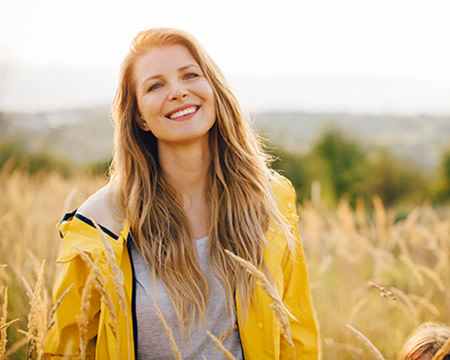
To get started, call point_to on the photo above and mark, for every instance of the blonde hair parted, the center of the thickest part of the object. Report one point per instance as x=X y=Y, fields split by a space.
x=240 y=196
x=427 y=339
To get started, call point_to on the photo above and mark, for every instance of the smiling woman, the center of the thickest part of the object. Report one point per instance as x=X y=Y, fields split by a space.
x=203 y=235
x=175 y=100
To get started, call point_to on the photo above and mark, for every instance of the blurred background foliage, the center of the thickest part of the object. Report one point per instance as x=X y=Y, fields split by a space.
x=345 y=168
x=339 y=165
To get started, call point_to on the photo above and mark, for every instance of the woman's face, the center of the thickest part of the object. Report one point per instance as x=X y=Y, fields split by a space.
x=175 y=100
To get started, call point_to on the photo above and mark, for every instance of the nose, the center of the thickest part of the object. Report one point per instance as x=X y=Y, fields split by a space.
x=178 y=92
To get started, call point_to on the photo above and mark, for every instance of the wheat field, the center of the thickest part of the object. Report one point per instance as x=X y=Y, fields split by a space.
x=373 y=279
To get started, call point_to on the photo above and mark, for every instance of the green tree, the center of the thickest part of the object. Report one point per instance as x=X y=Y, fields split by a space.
x=345 y=163
x=344 y=168
x=394 y=181
x=443 y=187
x=294 y=166
x=13 y=153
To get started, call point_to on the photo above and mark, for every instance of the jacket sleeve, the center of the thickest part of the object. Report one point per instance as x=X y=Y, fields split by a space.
x=63 y=337
x=297 y=294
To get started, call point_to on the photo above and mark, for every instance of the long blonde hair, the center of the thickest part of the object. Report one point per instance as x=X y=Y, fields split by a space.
x=238 y=190
x=428 y=338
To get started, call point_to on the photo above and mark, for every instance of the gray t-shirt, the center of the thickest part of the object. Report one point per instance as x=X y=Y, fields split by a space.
x=153 y=342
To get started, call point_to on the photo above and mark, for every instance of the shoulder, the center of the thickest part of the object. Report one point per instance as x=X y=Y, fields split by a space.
x=102 y=208
x=282 y=187
x=77 y=229
x=285 y=196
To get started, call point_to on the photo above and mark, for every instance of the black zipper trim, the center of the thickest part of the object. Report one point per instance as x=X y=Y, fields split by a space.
x=90 y=223
x=133 y=296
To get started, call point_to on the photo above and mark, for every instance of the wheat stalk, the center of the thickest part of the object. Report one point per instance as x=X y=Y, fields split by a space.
x=361 y=217
x=107 y=300
x=168 y=330
x=425 y=303
x=93 y=267
x=443 y=351
x=380 y=220
x=100 y=283
x=28 y=288
x=82 y=318
x=218 y=343
x=6 y=325
x=356 y=309
x=43 y=303
x=3 y=328
x=277 y=305
x=69 y=198
x=3 y=325
x=36 y=321
x=433 y=276
x=366 y=341
x=223 y=336
x=58 y=303
x=390 y=295
x=407 y=260
x=406 y=301
x=116 y=273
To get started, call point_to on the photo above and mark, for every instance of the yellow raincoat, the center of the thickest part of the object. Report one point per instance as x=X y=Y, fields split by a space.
x=110 y=328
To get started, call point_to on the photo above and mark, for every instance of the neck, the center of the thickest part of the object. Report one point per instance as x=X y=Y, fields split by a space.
x=186 y=167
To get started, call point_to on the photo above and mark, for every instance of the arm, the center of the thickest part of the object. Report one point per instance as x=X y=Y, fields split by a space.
x=63 y=338
x=297 y=294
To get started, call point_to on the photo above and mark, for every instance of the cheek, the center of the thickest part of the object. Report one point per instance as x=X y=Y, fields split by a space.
x=210 y=93
x=204 y=89
x=150 y=105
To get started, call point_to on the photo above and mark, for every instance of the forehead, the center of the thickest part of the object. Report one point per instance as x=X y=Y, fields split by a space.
x=162 y=60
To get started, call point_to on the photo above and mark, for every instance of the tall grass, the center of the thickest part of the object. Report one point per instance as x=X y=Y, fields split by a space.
x=374 y=274
x=30 y=207
x=367 y=271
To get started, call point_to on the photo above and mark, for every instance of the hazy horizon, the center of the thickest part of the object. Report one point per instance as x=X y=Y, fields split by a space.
x=57 y=87
x=323 y=55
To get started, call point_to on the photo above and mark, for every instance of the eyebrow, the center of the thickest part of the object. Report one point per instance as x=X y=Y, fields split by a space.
x=158 y=76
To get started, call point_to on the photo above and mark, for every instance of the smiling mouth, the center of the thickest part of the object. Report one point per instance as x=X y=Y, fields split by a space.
x=184 y=112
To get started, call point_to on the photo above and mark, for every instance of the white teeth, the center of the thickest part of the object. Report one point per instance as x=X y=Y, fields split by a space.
x=183 y=112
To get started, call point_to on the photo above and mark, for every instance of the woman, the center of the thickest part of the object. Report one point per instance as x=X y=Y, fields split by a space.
x=189 y=183
x=426 y=341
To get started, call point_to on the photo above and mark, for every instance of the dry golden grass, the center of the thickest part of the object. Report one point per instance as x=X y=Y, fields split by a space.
x=37 y=318
x=3 y=324
x=345 y=250
x=223 y=336
x=30 y=207
x=368 y=343
x=219 y=344
x=355 y=256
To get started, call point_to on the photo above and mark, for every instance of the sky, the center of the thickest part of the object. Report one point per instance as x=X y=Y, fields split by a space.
x=315 y=55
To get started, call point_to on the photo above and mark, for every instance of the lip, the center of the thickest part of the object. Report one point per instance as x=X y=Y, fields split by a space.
x=181 y=108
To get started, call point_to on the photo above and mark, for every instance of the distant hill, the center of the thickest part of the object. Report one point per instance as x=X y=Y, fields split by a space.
x=85 y=135
x=418 y=139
